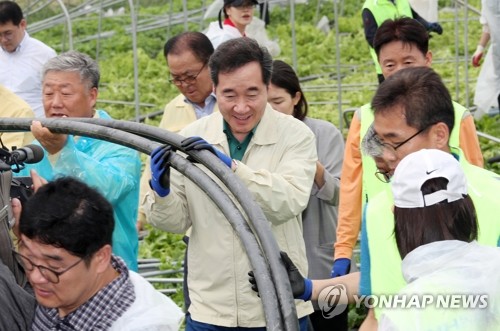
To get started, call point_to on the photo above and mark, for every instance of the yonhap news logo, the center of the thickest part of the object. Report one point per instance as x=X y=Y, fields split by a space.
x=333 y=300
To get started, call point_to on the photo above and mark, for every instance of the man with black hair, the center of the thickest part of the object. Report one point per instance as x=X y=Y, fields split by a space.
x=413 y=110
x=65 y=235
x=376 y=12
x=21 y=57
x=275 y=157
x=187 y=56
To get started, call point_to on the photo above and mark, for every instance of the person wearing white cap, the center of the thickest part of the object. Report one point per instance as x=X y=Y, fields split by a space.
x=436 y=227
x=396 y=133
x=435 y=230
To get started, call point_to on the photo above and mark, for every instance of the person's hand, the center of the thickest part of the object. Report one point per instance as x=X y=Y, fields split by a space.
x=301 y=287
x=340 y=267
x=16 y=206
x=435 y=27
x=478 y=54
x=198 y=144
x=160 y=170
x=37 y=180
x=52 y=142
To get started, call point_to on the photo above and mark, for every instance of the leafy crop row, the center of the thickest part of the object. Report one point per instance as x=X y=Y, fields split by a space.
x=316 y=63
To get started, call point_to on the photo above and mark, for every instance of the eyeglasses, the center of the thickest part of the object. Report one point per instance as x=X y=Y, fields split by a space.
x=383 y=176
x=49 y=274
x=190 y=79
x=375 y=140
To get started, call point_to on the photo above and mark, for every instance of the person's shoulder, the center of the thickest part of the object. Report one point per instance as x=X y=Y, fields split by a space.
x=42 y=47
x=151 y=309
x=320 y=124
x=211 y=122
x=178 y=100
x=285 y=123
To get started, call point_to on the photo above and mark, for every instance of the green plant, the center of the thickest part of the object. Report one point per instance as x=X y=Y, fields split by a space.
x=316 y=60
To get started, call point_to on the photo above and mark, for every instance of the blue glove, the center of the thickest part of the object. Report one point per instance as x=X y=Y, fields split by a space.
x=160 y=170
x=198 y=144
x=435 y=27
x=341 y=267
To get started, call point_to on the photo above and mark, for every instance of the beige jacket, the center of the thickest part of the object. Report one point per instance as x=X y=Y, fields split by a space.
x=176 y=116
x=13 y=106
x=278 y=168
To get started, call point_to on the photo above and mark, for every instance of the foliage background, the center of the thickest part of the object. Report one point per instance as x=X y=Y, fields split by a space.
x=316 y=59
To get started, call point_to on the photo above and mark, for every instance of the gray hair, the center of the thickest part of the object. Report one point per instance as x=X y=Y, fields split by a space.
x=370 y=145
x=74 y=61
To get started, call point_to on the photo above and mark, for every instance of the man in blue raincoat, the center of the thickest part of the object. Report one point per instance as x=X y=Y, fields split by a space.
x=69 y=89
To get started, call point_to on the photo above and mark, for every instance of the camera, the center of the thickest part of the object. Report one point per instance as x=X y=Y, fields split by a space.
x=21 y=188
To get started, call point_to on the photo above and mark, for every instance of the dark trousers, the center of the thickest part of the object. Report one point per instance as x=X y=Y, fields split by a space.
x=336 y=323
x=198 y=326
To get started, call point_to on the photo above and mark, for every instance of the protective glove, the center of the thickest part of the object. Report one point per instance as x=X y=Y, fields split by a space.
x=198 y=144
x=478 y=54
x=435 y=27
x=160 y=170
x=341 y=267
x=301 y=287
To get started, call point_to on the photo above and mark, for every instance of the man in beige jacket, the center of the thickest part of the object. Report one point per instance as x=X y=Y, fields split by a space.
x=273 y=154
x=14 y=106
x=187 y=57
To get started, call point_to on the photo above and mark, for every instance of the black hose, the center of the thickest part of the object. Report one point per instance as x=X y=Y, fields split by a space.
x=267 y=289
x=243 y=196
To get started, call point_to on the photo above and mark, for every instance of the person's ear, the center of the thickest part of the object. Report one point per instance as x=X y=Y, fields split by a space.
x=296 y=98
x=440 y=135
x=428 y=59
x=102 y=258
x=93 y=94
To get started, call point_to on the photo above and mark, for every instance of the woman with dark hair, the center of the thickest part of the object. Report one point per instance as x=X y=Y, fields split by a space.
x=239 y=22
x=238 y=14
x=452 y=281
x=320 y=217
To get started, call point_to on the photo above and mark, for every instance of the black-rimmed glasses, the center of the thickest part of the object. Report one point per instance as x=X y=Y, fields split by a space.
x=391 y=148
x=49 y=274
x=188 y=80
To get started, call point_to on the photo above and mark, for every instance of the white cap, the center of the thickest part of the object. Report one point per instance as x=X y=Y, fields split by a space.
x=416 y=168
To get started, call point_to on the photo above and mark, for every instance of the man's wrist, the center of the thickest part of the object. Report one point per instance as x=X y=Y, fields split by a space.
x=479 y=48
x=234 y=165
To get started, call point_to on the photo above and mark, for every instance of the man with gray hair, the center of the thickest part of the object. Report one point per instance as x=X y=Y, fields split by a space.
x=70 y=88
x=273 y=154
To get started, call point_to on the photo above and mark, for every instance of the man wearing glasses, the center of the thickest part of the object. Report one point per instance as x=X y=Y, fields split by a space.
x=65 y=235
x=187 y=57
x=398 y=43
x=413 y=111
x=21 y=57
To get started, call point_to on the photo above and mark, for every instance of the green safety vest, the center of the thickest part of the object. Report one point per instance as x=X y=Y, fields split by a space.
x=383 y=10
x=385 y=263
x=371 y=185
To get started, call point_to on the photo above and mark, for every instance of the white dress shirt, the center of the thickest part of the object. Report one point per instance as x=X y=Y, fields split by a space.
x=21 y=71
